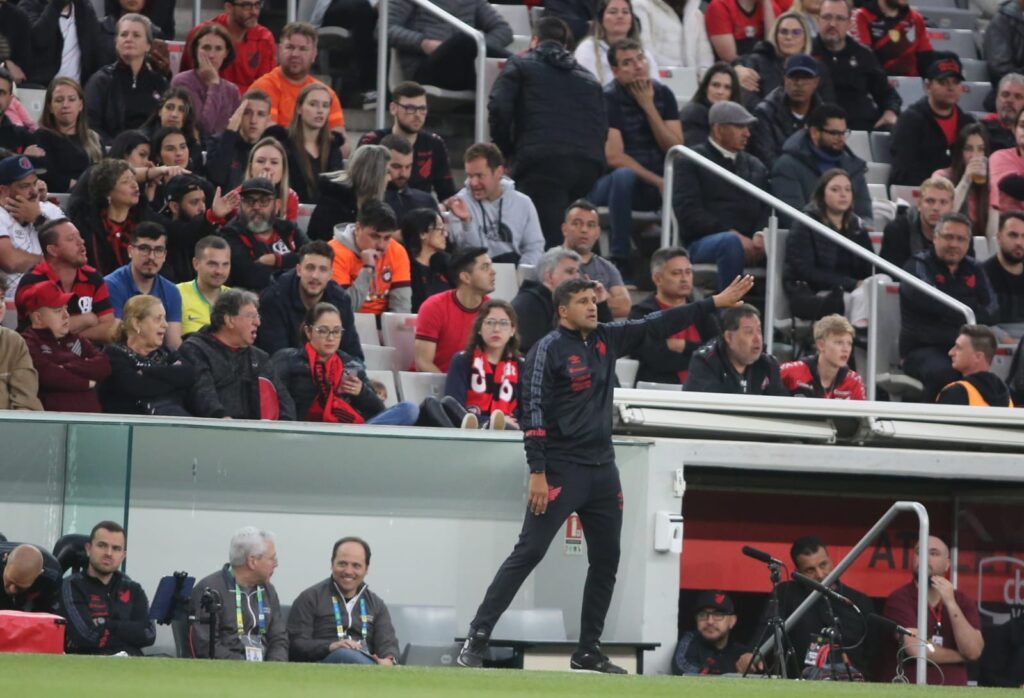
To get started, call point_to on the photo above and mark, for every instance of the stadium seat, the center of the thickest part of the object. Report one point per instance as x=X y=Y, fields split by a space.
x=398 y=330
x=506 y=284
x=887 y=324
x=880 y=151
x=910 y=89
x=911 y=195
x=1003 y=360
x=625 y=371
x=32 y=100
x=860 y=143
x=427 y=632
x=59 y=199
x=517 y=16
x=650 y=385
x=416 y=387
x=682 y=81
x=982 y=250
x=175 y=50
x=959 y=41
x=793 y=331
x=379 y=358
x=937 y=4
x=878 y=172
x=973 y=98
x=878 y=192
x=305 y=213
x=70 y=552
x=494 y=67
x=366 y=327
x=949 y=18
x=536 y=12
x=975 y=69
x=526 y=272
x=388 y=379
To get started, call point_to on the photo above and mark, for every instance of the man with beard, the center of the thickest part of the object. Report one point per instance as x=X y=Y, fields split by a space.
x=711 y=649
x=1009 y=102
x=146 y=255
x=896 y=33
x=212 y=264
x=1005 y=270
x=263 y=245
x=399 y=195
x=914 y=231
x=190 y=221
x=107 y=612
x=283 y=305
x=826 y=374
x=255 y=49
x=31 y=578
x=580 y=232
x=430 y=168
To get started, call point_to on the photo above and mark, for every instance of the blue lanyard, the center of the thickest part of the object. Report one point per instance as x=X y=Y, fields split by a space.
x=339 y=626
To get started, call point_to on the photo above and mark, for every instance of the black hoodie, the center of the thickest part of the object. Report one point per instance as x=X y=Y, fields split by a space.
x=992 y=388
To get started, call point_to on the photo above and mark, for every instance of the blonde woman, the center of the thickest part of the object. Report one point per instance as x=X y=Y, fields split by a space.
x=615 y=21
x=269 y=159
x=790 y=35
x=343 y=193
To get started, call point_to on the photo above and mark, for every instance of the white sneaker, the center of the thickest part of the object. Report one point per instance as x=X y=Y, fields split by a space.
x=497 y=422
x=470 y=421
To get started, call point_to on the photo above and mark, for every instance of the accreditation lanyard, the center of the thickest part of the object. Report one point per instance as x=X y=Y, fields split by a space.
x=485 y=223
x=936 y=615
x=261 y=618
x=339 y=626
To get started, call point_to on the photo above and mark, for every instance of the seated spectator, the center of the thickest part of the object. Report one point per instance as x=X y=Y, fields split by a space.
x=323 y=625
x=790 y=36
x=433 y=52
x=64 y=262
x=1002 y=660
x=581 y=229
x=711 y=649
x=328 y=384
x=133 y=147
x=820 y=277
x=371 y=266
x=141 y=276
x=858 y=83
x=268 y=159
x=491 y=213
x=811 y=558
x=430 y=169
x=735 y=26
x=896 y=33
x=285 y=303
x=614 y=21
x=399 y=195
x=426 y=239
x=21 y=215
x=535 y=303
x=64 y=133
x=227 y=152
x=147 y=377
x=1009 y=103
x=169 y=146
x=546 y=112
x=174 y=110
x=15 y=138
x=929 y=329
x=810 y=152
x=192 y=220
x=312 y=147
x=69 y=365
x=719 y=84
x=1003 y=52
x=1006 y=174
x=19 y=381
x=15 y=40
x=643 y=124
x=734 y=362
x=484 y=377
x=913 y=232
x=31 y=577
x=675 y=33
x=954 y=624
x=213 y=98
x=719 y=221
x=826 y=374
x=263 y=245
x=234 y=379
x=255 y=49
x=212 y=264
x=1005 y=271
x=251 y=627
x=786 y=108
x=123 y=94
x=668 y=360
x=927 y=128
x=445 y=320
x=65 y=40
x=107 y=611
x=284 y=83
x=159 y=12
x=972 y=355
x=969 y=172
x=342 y=194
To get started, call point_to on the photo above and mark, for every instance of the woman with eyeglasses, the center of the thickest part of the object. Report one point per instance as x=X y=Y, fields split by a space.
x=329 y=385
x=790 y=35
x=484 y=378
x=426 y=239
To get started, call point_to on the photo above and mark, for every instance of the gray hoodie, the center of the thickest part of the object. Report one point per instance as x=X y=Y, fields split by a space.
x=507 y=225
x=399 y=298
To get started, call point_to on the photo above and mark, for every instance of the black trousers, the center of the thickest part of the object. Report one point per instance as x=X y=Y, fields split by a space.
x=933 y=367
x=452 y=65
x=360 y=19
x=596 y=495
x=554 y=183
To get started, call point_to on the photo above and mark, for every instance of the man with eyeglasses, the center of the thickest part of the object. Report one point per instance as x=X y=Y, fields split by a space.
x=431 y=170
x=141 y=275
x=710 y=649
x=897 y=34
x=858 y=84
x=255 y=49
x=234 y=378
x=284 y=303
x=263 y=245
x=31 y=578
x=810 y=152
x=929 y=329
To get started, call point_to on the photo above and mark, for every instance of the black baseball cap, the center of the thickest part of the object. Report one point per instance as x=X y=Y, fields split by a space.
x=945 y=66
x=714 y=600
x=181 y=185
x=258 y=185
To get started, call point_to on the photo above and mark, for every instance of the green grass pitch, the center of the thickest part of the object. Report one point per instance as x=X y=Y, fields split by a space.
x=45 y=676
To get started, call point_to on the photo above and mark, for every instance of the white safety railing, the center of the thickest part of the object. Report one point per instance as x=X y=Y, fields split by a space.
x=480 y=112
x=668 y=235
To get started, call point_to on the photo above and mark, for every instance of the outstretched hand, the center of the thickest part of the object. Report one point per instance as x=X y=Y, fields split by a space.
x=733 y=294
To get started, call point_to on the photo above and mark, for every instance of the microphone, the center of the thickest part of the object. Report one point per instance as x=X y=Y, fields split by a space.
x=892 y=626
x=818 y=586
x=760 y=556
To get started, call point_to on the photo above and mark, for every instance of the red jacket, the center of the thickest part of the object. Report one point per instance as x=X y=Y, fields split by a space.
x=65 y=367
x=802 y=380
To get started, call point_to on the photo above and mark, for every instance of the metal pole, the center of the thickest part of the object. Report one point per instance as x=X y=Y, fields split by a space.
x=669 y=179
x=922 y=597
x=293 y=10
x=771 y=243
x=382 y=61
x=197 y=12
x=874 y=288
x=954 y=574
x=480 y=115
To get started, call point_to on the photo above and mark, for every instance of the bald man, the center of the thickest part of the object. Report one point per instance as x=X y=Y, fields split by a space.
x=954 y=627
x=31 y=578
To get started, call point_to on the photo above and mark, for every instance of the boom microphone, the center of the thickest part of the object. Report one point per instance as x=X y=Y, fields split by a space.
x=760 y=556
x=892 y=626
x=822 y=589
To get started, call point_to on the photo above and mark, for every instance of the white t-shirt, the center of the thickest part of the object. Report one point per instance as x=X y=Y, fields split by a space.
x=24 y=238
x=596 y=61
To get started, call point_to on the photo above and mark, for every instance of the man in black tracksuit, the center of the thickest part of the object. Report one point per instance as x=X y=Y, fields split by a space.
x=567 y=391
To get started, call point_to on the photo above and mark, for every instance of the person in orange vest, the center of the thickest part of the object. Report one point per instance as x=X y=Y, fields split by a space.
x=972 y=355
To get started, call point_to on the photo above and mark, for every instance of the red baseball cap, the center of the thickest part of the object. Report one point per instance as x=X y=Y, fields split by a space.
x=45 y=294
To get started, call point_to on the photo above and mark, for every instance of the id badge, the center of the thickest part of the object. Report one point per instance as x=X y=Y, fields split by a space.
x=937 y=640
x=811 y=658
x=253 y=649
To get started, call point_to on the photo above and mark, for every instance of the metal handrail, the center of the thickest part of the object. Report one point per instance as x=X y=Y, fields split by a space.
x=480 y=112
x=844 y=564
x=668 y=231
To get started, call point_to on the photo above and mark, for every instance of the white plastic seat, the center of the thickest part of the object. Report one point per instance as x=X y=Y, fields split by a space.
x=379 y=358
x=506 y=283
x=417 y=387
x=878 y=173
x=682 y=81
x=625 y=371
x=366 y=326
x=388 y=379
x=398 y=330
x=958 y=41
x=860 y=143
x=973 y=98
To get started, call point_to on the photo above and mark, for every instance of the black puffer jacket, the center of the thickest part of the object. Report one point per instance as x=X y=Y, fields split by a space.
x=48 y=41
x=1003 y=41
x=919 y=146
x=821 y=264
x=116 y=100
x=712 y=372
x=696 y=129
x=292 y=365
x=775 y=123
x=138 y=384
x=770 y=69
x=544 y=104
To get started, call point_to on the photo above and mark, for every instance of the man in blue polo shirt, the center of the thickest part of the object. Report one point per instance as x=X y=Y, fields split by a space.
x=147 y=253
